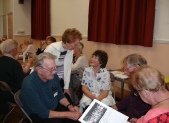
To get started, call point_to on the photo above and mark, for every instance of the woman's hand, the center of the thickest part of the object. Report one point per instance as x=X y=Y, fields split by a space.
x=133 y=120
x=93 y=96
x=41 y=44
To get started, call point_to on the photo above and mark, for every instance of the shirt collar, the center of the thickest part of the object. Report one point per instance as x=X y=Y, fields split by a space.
x=8 y=55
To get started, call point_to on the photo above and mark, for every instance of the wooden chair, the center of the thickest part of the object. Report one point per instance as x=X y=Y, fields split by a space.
x=5 y=87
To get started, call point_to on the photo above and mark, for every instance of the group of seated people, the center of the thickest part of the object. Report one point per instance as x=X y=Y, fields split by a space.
x=45 y=93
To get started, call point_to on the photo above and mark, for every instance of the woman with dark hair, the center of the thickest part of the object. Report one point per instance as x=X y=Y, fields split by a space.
x=96 y=81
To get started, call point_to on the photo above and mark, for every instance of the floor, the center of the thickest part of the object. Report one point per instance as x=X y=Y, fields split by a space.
x=16 y=115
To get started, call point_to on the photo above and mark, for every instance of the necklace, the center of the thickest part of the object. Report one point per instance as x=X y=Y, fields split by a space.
x=160 y=102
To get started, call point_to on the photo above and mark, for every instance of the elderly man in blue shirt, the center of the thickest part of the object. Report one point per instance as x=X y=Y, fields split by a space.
x=41 y=93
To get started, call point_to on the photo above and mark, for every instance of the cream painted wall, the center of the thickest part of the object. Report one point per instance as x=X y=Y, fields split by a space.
x=1 y=19
x=22 y=18
x=69 y=14
x=7 y=6
x=161 y=29
x=1 y=8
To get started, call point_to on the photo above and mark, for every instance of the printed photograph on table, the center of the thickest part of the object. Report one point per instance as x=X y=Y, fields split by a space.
x=95 y=114
x=98 y=112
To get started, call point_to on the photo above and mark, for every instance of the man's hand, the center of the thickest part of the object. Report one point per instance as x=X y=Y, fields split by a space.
x=74 y=115
x=73 y=108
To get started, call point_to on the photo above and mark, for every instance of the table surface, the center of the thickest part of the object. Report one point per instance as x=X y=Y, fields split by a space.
x=127 y=81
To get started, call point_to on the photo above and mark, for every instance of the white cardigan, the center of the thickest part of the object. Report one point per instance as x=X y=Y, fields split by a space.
x=55 y=49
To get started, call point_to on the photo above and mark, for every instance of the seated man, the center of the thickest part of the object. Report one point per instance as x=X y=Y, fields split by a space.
x=10 y=72
x=41 y=93
x=132 y=106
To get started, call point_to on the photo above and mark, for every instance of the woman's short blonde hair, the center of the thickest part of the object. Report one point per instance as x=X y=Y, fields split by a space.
x=28 y=40
x=148 y=78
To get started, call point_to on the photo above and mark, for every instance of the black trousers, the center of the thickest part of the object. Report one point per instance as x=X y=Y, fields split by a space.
x=66 y=95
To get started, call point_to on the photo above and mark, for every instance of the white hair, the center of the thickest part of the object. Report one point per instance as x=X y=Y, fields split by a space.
x=80 y=46
x=8 y=45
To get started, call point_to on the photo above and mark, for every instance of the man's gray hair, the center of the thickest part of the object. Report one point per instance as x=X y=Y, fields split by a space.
x=80 y=46
x=40 y=58
x=135 y=59
x=8 y=45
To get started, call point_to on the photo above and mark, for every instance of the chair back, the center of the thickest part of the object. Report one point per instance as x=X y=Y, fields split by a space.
x=19 y=103
x=5 y=87
x=112 y=79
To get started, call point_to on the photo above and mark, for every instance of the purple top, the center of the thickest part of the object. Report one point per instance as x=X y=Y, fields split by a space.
x=133 y=106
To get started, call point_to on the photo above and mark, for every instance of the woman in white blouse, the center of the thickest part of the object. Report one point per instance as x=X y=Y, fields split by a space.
x=96 y=81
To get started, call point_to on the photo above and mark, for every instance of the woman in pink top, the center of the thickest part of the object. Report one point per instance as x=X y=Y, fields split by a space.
x=150 y=85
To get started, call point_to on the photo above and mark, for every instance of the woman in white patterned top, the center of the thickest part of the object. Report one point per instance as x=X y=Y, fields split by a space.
x=96 y=81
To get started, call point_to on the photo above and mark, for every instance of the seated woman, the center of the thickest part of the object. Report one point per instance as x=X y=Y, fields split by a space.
x=28 y=50
x=80 y=60
x=78 y=66
x=48 y=41
x=96 y=81
x=150 y=85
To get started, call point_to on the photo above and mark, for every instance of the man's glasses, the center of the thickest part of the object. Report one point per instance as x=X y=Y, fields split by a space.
x=50 y=70
x=126 y=69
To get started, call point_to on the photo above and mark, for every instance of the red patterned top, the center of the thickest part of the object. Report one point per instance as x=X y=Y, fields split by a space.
x=156 y=115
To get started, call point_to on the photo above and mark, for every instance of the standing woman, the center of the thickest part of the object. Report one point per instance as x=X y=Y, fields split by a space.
x=64 y=52
x=96 y=81
x=150 y=85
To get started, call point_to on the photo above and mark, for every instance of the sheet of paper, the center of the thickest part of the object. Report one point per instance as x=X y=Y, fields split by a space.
x=119 y=74
x=98 y=112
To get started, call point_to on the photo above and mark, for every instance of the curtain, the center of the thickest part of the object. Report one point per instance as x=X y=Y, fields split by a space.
x=122 y=22
x=40 y=19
